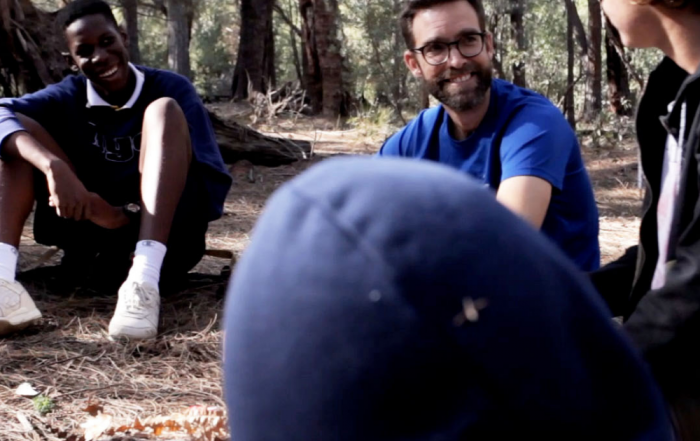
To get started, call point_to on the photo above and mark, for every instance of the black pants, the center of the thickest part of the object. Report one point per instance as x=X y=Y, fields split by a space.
x=98 y=253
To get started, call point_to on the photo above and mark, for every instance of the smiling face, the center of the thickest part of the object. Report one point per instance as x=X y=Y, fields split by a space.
x=460 y=83
x=99 y=49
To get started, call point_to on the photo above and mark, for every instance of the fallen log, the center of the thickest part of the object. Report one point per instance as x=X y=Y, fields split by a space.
x=238 y=142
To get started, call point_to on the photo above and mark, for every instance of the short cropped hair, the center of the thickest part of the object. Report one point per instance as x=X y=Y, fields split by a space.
x=80 y=8
x=412 y=7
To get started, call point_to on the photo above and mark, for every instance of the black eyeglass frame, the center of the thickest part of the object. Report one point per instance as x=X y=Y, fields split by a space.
x=456 y=45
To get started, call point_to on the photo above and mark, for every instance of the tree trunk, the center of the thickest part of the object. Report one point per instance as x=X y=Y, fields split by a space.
x=30 y=56
x=579 y=31
x=180 y=17
x=398 y=69
x=295 y=54
x=594 y=95
x=569 y=100
x=132 y=28
x=256 y=51
x=313 y=80
x=322 y=51
x=575 y=32
x=618 y=77
x=494 y=22
x=518 y=35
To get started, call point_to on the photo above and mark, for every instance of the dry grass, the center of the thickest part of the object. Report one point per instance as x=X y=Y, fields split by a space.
x=68 y=358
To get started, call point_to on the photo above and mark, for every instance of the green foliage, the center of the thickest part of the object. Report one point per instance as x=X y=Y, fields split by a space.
x=376 y=120
x=285 y=39
x=153 y=42
x=374 y=48
x=43 y=404
x=213 y=38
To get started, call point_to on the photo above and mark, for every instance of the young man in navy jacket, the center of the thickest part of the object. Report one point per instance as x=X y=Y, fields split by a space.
x=120 y=159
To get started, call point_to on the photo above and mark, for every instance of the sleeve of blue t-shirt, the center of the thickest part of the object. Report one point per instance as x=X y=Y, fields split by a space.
x=392 y=146
x=537 y=142
x=46 y=106
x=414 y=140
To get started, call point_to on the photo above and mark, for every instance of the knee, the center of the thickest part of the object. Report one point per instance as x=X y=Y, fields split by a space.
x=30 y=125
x=163 y=111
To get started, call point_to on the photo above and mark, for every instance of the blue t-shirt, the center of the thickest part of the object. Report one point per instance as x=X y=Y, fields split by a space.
x=522 y=134
x=103 y=143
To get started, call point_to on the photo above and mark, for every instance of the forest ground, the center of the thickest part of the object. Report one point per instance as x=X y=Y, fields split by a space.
x=150 y=387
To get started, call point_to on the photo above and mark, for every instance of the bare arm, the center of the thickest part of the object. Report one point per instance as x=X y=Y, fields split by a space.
x=37 y=147
x=526 y=196
x=22 y=145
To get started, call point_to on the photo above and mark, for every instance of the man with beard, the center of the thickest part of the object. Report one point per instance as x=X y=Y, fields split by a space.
x=511 y=139
x=121 y=159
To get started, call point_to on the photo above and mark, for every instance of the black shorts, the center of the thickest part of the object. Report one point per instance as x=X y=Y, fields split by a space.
x=109 y=251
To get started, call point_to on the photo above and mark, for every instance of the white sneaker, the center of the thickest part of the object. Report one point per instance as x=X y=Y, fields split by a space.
x=17 y=309
x=136 y=316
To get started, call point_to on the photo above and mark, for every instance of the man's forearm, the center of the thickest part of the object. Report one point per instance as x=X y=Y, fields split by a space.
x=35 y=146
x=21 y=145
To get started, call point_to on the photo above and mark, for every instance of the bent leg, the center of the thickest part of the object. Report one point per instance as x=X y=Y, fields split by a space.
x=17 y=185
x=166 y=154
x=16 y=198
x=164 y=163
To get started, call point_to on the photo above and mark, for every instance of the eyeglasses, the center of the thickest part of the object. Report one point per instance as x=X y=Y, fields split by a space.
x=468 y=45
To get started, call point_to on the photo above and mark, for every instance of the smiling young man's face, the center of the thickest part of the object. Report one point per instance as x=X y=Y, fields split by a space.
x=99 y=49
x=460 y=83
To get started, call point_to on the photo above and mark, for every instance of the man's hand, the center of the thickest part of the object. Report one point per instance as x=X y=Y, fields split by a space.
x=105 y=215
x=67 y=194
x=526 y=196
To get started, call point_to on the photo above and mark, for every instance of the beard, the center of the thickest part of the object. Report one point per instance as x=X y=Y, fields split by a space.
x=461 y=100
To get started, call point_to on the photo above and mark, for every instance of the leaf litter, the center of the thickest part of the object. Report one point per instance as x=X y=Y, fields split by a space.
x=117 y=392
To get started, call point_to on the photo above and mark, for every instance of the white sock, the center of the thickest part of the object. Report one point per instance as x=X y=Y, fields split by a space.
x=8 y=262
x=148 y=260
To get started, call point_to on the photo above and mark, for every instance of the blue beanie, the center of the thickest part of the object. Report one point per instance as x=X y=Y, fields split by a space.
x=391 y=299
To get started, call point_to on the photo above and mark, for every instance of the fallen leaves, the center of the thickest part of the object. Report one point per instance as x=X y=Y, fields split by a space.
x=97 y=426
x=198 y=423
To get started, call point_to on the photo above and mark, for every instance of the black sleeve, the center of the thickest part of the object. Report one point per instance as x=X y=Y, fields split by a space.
x=665 y=325
x=614 y=281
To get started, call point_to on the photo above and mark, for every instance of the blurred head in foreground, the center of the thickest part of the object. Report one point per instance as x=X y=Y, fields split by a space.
x=396 y=300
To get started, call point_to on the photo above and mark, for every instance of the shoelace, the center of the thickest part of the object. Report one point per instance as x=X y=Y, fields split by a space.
x=138 y=299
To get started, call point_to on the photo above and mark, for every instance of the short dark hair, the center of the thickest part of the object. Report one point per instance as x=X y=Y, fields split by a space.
x=80 y=8
x=412 y=7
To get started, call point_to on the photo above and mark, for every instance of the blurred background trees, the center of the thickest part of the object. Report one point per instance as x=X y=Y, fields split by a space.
x=345 y=55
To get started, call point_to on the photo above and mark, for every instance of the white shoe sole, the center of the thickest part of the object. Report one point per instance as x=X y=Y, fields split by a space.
x=128 y=333
x=18 y=321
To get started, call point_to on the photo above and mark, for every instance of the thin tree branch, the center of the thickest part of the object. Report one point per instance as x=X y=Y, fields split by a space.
x=580 y=30
x=286 y=19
